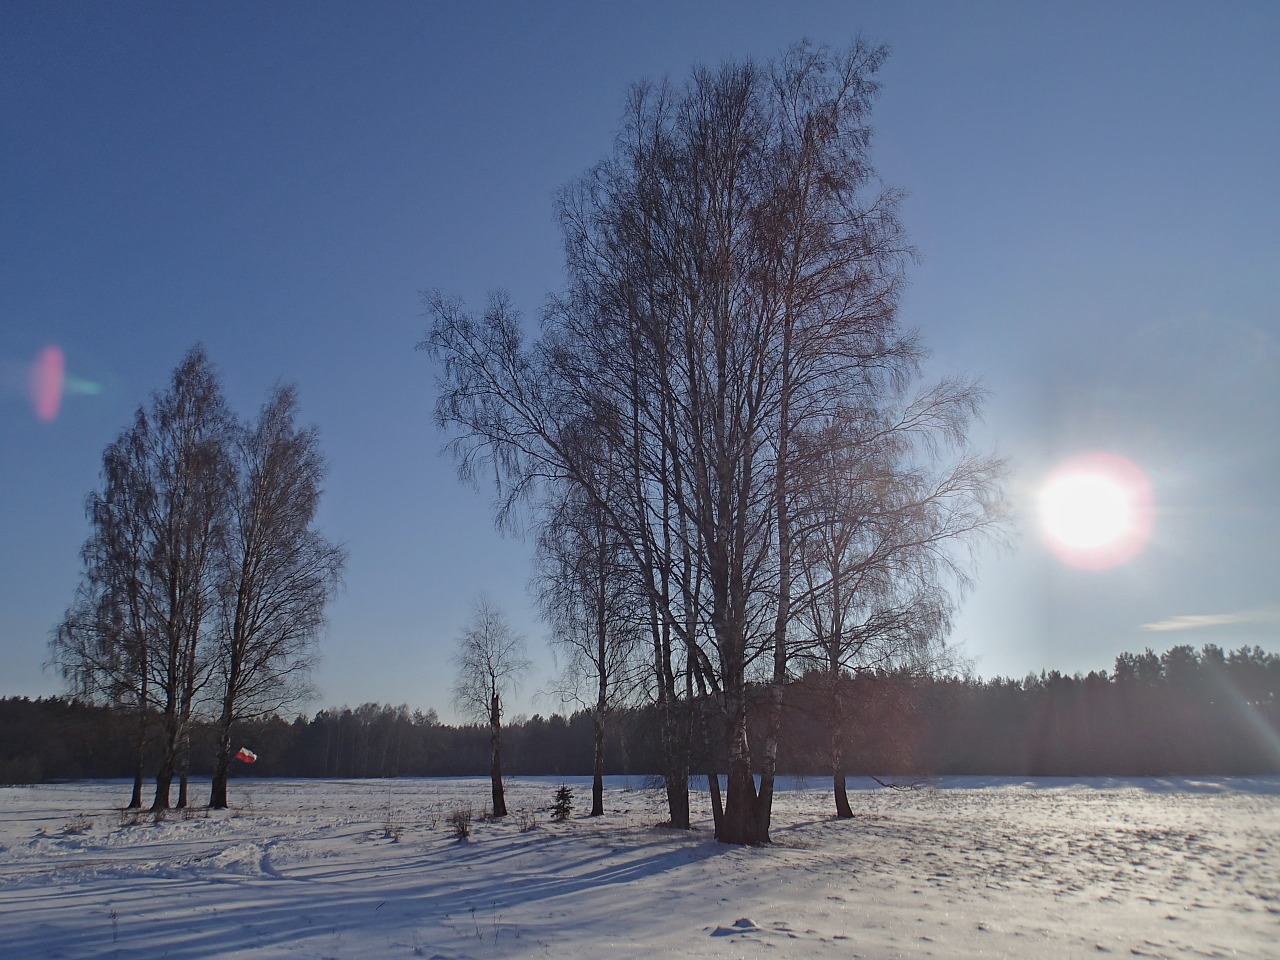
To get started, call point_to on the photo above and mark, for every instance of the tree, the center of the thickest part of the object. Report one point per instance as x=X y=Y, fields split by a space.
x=101 y=645
x=733 y=274
x=186 y=470
x=201 y=564
x=137 y=626
x=490 y=660
x=277 y=575
x=161 y=521
x=881 y=522
x=588 y=598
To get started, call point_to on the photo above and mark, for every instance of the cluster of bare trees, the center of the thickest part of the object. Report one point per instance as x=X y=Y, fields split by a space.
x=204 y=581
x=719 y=428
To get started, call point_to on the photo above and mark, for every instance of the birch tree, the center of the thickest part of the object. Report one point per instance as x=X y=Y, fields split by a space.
x=203 y=578
x=588 y=596
x=885 y=526
x=277 y=575
x=174 y=463
x=734 y=270
x=490 y=660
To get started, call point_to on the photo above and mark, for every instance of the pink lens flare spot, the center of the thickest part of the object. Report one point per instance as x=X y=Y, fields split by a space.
x=1097 y=510
x=48 y=375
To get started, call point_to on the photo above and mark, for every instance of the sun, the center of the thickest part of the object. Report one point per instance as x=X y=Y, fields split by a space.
x=1085 y=510
x=1095 y=510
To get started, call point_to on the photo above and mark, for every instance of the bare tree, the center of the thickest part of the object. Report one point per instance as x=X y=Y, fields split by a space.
x=137 y=625
x=102 y=644
x=588 y=595
x=193 y=571
x=733 y=271
x=490 y=660
x=150 y=560
x=883 y=526
x=278 y=573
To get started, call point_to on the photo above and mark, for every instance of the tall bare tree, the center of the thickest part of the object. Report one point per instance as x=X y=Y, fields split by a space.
x=194 y=571
x=182 y=461
x=278 y=573
x=734 y=271
x=149 y=587
x=490 y=660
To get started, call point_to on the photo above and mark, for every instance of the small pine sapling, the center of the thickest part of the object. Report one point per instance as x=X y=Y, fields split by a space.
x=562 y=806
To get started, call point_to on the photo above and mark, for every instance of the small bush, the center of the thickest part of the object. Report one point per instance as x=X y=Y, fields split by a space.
x=562 y=806
x=527 y=819
x=431 y=814
x=459 y=821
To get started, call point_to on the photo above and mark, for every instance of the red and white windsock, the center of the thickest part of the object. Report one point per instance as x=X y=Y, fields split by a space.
x=247 y=755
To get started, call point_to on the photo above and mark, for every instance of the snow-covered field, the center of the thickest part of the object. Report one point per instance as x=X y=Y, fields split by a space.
x=966 y=867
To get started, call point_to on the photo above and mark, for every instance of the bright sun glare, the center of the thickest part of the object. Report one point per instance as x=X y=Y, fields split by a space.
x=1096 y=510
x=1085 y=510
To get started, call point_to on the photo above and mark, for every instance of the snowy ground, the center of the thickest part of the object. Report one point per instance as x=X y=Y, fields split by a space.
x=968 y=867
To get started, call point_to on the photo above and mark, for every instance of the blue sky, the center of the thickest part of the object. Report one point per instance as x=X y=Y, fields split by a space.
x=1091 y=189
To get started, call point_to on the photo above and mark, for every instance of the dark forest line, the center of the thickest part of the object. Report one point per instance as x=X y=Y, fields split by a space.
x=1184 y=712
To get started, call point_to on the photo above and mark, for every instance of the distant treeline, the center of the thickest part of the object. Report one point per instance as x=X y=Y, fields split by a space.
x=1186 y=711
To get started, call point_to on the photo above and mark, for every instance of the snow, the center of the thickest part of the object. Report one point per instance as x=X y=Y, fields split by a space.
x=963 y=867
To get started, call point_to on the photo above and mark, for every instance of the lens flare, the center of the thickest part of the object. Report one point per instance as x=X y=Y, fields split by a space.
x=1096 y=511
x=48 y=374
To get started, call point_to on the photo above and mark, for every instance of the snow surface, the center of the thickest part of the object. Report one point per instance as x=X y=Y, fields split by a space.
x=962 y=867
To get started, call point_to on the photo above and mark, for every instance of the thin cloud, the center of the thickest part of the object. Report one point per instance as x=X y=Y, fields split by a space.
x=1198 y=622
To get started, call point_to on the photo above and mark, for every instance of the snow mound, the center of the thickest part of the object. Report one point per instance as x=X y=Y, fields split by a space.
x=741 y=925
x=241 y=858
